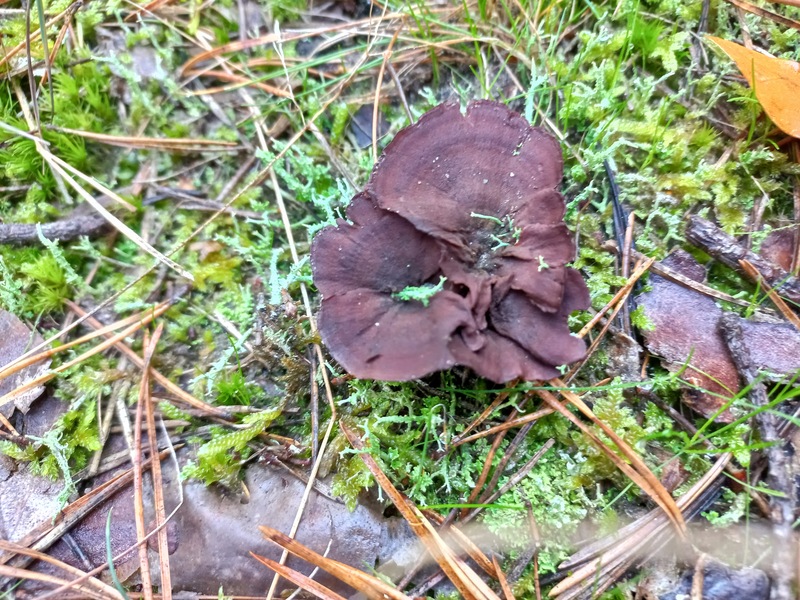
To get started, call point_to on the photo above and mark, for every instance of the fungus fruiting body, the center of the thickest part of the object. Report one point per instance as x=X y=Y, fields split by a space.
x=454 y=254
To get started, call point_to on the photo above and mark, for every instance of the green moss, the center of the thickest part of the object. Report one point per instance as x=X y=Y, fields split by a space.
x=234 y=389
x=219 y=460
x=736 y=507
x=351 y=478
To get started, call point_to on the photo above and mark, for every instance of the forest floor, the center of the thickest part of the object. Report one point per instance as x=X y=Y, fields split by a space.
x=163 y=170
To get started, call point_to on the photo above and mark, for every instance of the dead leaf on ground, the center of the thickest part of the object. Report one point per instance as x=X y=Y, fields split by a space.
x=216 y=531
x=15 y=340
x=686 y=325
x=778 y=247
x=776 y=83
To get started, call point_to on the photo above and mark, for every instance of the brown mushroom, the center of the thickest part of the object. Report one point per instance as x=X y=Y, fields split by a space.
x=469 y=202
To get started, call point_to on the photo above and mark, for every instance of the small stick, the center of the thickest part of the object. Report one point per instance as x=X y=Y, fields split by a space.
x=72 y=227
x=715 y=242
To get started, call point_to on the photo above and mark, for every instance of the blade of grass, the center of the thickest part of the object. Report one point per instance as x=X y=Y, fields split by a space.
x=110 y=558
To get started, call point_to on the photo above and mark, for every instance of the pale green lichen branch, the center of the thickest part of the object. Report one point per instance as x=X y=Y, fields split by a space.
x=422 y=293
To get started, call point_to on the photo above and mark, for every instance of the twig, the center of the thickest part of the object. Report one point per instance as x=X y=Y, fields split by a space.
x=715 y=242
x=80 y=223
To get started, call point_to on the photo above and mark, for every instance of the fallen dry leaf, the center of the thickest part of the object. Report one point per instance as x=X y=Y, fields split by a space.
x=776 y=83
x=778 y=247
x=15 y=340
x=217 y=530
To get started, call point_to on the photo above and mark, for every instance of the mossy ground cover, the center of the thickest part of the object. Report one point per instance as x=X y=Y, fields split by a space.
x=630 y=84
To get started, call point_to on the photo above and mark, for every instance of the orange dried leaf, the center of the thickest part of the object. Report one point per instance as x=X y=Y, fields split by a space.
x=776 y=83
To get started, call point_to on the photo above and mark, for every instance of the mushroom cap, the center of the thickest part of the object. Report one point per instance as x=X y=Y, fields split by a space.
x=469 y=200
x=455 y=175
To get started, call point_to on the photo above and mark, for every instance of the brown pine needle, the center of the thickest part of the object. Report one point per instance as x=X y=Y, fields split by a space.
x=163 y=381
x=620 y=296
x=366 y=584
x=18 y=573
x=111 y=341
x=238 y=81
x=460 y=574
x=65 y=14
x=138 y=480
x=171 y=144
x=26 y=361
x=751 y=271
x=297 y=578
x=503 y=582
x=155 y=470
x=103 y=589
x=625 y=545
x=518 y=422
x=272 y=38
x=459 y=439
x=637 y=471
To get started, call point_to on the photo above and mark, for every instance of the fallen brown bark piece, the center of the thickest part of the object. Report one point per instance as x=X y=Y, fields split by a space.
x=714 y=241
x=685 y=333
x=780 y=478
x=778 y=248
